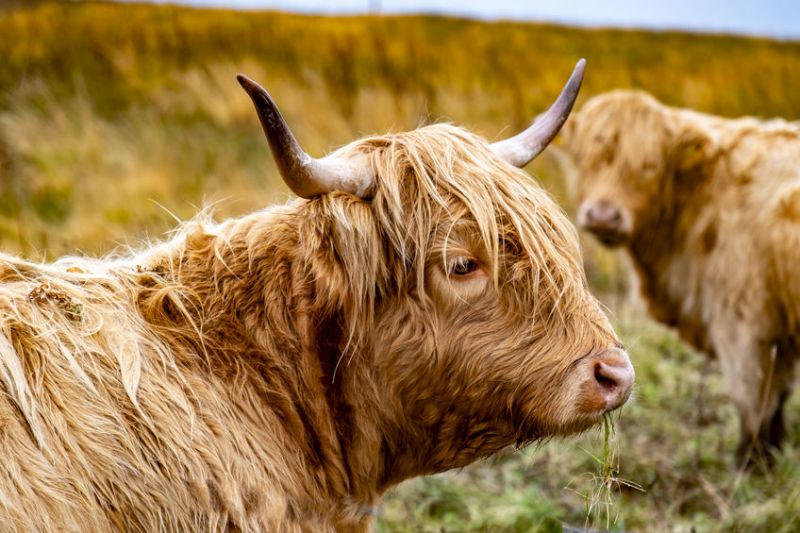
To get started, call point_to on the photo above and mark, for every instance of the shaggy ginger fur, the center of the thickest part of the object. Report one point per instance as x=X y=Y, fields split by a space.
x=711 y=216
x=278 y=372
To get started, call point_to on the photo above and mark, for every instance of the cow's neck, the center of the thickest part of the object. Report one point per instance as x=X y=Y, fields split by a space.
x=288 y=356
x=667 y=255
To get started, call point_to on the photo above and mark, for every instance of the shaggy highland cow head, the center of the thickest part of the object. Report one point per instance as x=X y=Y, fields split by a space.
x=450 y=287
x=630 y=154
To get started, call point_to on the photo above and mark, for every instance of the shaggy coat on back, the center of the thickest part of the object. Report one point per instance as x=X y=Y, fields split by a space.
x=708 y=210
x=278 y=372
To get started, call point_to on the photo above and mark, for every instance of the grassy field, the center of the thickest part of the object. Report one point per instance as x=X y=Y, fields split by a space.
x=115 y=120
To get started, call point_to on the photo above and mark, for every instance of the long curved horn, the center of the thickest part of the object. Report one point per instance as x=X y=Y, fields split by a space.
x=520 y=149
x=306 y=177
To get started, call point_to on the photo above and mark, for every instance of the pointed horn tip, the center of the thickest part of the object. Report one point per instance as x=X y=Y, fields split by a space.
x=525 y=146
x=249 y=85
x=577 y=72
x=242 y=79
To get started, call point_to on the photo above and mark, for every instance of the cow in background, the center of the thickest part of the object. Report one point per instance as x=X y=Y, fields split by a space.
x=708 y=211
x=422 y=306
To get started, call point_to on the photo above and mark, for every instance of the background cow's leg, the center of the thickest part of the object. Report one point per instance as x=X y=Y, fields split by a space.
x=773 y=431
x=757 y=381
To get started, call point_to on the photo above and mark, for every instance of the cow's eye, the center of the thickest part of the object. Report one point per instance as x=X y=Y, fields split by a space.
x=462 y=266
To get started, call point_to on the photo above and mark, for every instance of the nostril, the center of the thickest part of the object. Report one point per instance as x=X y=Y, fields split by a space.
x=608 y=380
x=604 y=375
x=593 y=214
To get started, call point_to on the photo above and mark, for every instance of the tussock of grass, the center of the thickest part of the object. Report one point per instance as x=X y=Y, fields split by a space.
x=603 y=485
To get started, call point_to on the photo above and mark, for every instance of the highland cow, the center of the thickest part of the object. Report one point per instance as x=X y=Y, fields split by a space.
x=422 y=306
x=708 y=211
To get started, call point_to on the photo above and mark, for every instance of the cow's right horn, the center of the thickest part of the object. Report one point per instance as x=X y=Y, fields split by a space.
x=306 y=177
x=520 y=149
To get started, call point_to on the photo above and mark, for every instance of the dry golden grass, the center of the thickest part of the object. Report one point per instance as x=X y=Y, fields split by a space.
x=99 y=98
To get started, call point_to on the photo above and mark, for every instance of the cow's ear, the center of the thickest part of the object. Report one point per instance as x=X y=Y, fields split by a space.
x=342 y=253
x=694 y=148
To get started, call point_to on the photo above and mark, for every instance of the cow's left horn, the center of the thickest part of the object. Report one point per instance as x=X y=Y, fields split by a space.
x=306 y=177
x=520 y=149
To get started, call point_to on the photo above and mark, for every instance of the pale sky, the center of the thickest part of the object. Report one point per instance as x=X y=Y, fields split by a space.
x=778 y=18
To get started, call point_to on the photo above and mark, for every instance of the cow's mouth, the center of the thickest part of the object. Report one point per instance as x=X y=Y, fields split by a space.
x=531 y=430
x=606 y=221
x=609 y=237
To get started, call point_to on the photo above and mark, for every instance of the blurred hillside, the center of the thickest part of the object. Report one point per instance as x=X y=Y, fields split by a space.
x=112 y=116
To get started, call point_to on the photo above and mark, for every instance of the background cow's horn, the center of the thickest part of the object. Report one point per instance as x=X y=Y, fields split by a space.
x=523 y=147
x=306 y=177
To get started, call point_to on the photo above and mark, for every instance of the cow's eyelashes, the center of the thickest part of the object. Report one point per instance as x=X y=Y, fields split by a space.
x=462 y=266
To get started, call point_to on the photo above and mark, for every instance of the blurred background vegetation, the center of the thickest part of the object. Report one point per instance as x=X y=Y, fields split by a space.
x=117 y=119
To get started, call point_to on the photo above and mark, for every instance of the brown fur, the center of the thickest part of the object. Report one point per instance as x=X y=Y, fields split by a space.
x=713 y=233
x=281 y=370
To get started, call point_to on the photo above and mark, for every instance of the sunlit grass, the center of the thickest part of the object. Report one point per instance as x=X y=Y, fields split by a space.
x=101 y=98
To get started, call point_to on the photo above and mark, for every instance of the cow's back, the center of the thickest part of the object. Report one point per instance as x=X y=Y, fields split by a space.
x=763 y=166
x=104 y=427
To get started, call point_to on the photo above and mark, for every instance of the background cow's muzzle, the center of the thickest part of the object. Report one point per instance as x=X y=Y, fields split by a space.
x=606 y=221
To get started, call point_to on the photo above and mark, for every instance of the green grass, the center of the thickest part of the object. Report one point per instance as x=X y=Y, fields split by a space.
x=115 y=119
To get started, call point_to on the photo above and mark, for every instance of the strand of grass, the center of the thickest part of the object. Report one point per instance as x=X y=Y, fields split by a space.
x=603 y=485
